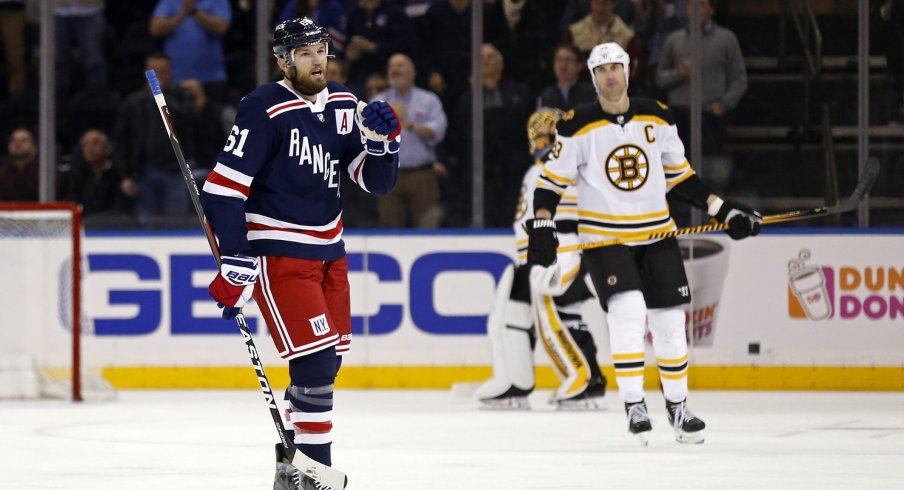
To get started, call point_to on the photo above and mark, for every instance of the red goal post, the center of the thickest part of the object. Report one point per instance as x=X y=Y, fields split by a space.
x=41 y=243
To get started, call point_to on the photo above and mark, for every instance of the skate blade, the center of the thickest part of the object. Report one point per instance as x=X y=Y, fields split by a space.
x=689 y=437
x=582 y=405
x=505 y=404
x=643 y=439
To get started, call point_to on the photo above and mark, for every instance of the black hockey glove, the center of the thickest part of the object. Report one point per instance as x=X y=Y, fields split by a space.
x=542 y=242
x=742 y=220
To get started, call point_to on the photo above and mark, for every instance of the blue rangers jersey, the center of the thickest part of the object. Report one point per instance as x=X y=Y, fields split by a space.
x=275 y=188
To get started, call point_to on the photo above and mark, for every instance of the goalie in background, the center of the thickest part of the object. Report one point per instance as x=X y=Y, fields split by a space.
x=549 y=298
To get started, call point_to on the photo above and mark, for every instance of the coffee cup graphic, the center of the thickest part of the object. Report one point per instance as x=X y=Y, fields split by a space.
x=706 y=264
x=809 y=287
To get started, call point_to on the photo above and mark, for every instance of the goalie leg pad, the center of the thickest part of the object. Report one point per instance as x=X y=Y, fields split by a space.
x=509 y=329
x=627 y=319
x=310 y=397
x=568 y=360
x=670 y=345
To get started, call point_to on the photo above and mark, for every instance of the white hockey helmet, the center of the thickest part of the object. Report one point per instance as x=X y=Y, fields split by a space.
x=603 y=54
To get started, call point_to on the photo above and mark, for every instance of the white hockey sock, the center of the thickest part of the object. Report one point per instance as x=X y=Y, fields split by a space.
x=626 y=319
x=670 y=345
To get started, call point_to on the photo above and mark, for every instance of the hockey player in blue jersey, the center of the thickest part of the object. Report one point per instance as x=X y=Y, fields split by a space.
x=274 y=203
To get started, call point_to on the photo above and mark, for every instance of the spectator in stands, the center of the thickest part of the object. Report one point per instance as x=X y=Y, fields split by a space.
x=633 y=12
x=665 y=17
x=81 y=24
x=19 y=169
x=722 y=71
x=209 y=134
x=568 y=91
x=192 y=32
x=523 y=33
x=507 y=105
x=375 y=84
x=12 y=30
x=376 y=29
x=415 y=199
x=447 y=37
x=142 y=149
x=337 y=71
x=602 y=25
x=329 y=14
x=96 y=184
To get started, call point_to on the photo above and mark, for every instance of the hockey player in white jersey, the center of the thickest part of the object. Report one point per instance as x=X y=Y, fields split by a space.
x=624 y=155
x=549 y=299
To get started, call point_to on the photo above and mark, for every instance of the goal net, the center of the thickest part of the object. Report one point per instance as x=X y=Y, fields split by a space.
x=41 y=355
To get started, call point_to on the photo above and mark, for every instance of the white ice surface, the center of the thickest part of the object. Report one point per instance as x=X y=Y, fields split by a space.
x=432 y=440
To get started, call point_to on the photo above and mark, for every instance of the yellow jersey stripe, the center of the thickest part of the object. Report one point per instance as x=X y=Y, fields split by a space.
x=670 y=375
x=652 y=119
x=626 y=217
x=676 y=168
x=679 y=361
x=556 y=178
x=590 y=127
x=628 y=357
x=634 y=372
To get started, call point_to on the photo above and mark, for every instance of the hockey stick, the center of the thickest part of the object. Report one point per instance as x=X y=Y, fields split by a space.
x=331 y=476
x=867 y=179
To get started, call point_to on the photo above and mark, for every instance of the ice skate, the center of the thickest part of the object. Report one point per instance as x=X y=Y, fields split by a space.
x=512 y=399
x=688 y=428
x=289 y=477
x=593 y=398
x=638 y=420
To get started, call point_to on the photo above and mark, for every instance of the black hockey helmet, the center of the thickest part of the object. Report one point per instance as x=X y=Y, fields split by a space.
x=295 y=33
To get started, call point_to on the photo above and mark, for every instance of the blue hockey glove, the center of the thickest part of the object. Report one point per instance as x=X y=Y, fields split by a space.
x=234 y=284
x=380 y=127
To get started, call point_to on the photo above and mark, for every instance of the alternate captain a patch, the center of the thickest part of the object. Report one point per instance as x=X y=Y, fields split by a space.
x=344 y=120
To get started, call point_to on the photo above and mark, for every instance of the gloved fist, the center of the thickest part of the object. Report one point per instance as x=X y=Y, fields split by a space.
x=380 y=127
x=742 y=220
x=234 y=284
x=542 y=241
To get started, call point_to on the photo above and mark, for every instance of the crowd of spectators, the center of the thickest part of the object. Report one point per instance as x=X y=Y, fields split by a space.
x=115 y=157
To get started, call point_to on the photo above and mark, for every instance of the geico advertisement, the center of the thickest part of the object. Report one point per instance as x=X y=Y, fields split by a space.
x=423 y=300
x=415 y=300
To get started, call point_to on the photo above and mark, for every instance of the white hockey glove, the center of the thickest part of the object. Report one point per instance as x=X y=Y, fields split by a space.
x=380 y=127
x=234 y=284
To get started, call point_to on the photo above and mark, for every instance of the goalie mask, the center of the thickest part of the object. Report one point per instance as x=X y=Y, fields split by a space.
x=293 y=34
x=606 y=53
x=541 y=128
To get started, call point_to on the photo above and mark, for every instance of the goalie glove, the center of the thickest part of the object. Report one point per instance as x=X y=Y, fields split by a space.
x=542 y=241
x=234 y=284
x=380 y=127
x=742 y=220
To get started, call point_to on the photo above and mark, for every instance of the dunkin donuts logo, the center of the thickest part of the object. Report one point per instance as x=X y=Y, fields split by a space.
x=819 y=292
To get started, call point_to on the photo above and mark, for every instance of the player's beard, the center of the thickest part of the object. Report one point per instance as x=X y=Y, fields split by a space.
x=305 y=85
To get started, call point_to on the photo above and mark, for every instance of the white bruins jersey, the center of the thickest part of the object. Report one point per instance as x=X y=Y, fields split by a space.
x=622 y=166
x=567 y=209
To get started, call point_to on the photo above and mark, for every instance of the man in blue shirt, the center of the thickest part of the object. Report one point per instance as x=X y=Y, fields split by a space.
x=192 y=32
x=415 y=199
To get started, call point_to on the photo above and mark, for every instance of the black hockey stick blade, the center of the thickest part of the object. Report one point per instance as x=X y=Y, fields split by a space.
x=867 y=179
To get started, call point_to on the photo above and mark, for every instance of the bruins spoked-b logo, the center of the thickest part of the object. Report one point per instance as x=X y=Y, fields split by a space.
x=627 y=167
